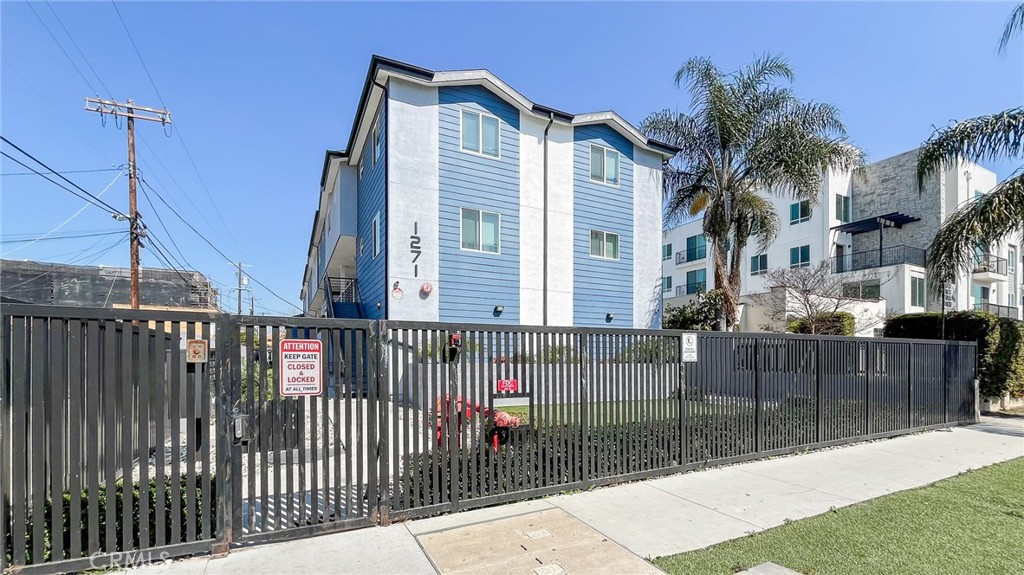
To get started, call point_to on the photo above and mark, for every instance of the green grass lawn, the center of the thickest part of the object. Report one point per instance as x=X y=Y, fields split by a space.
x=972 y=523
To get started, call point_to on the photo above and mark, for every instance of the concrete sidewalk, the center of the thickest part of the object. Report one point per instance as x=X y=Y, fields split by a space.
x=609 y=530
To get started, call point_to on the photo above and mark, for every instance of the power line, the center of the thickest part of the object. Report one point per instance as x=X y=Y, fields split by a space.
x=212 y=246
x=73 y=216
x=177 y=132
x=110 y=208
x=73 y=262
x=136 y=48
x=100 y=204
x=160 y=220
x=64 y=172
x=63 y=51
x=80 y=53
x=62 y=237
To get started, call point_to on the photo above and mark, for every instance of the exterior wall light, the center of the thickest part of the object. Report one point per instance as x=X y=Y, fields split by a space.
x=498 y=310
x=608 y=317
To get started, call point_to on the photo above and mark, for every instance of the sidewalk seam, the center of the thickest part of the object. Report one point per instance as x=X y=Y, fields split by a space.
x=461 y=525
x=605 y=535
x=423 y=550
x=698 y=504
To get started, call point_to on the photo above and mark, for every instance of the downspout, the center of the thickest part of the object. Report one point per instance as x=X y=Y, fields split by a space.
x=551 y=120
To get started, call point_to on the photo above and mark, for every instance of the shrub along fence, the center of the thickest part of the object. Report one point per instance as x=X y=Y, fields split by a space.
x=115 y=449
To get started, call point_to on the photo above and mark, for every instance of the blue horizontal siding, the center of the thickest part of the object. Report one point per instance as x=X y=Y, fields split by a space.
x=472 y=283
x=371 y=201
x=602 y=286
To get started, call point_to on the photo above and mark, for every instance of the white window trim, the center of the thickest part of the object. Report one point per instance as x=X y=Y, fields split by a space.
x=760 y=270
x=801 y=219
x=800 y=263
x=590 y=166
x=375 y=236
x=924 y=294
x=481 y=231
x=480 y=135
x=604 y=244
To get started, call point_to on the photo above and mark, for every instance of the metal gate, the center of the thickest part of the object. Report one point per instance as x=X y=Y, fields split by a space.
x=307 y=464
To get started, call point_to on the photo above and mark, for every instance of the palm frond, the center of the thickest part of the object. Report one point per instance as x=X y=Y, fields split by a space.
x=980 y=222
x=1014 y=24
x=980 y=139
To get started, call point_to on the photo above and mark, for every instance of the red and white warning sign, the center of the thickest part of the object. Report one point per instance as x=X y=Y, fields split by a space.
x=301 y=367
x=508 y=385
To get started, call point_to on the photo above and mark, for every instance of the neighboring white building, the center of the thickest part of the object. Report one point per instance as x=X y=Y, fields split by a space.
x=874 y=226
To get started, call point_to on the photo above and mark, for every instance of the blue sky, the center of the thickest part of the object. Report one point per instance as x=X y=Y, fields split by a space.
x=258 y=91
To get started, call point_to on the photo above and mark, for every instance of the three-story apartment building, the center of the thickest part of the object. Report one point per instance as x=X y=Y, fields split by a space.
x=458 y=199
x=874 y=225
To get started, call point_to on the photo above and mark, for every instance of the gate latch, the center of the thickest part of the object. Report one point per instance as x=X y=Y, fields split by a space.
x=240 y=426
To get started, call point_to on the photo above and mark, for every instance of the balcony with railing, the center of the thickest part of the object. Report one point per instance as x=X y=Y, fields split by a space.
x=869 y=259
x=342 y=299
x=691 y=255
x=997 y=310
x=691 y=288
x=989 y=268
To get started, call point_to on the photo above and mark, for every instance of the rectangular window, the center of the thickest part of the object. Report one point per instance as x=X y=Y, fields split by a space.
x=481 y=133
x=604 y=245
x=666 y=252
x=799 y=212
x=1011 y=263
x=870 y=289
x=666 y=283
x=378 y=139
x=696 y=281
x=696 y=248
x=842 y=208
x=917 y=292
x=481 y=231
x=376 y=235
x=758 y=264
x=800 y=257
x=604 y=165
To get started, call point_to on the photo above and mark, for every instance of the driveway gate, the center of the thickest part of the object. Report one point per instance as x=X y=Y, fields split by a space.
x=305 y=464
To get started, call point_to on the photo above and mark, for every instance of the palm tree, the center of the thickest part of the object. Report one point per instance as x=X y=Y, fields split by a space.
x=996 y=214
x=746 y=133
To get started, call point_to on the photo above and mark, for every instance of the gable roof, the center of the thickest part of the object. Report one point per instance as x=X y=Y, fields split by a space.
x=382 y=68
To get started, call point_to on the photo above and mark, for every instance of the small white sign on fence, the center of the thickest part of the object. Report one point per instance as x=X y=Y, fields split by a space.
x=689 y=347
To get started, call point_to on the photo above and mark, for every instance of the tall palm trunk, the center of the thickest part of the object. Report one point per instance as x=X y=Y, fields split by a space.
x=736 y=259
x=722 y=283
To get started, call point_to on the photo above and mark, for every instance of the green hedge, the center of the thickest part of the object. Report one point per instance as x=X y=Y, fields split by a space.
x=117 y=544
x=1000 y=359
x=839 y=323
x=1009 y=358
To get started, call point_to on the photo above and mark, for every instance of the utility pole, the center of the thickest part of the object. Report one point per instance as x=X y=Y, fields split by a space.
x=252 y=304
x=132 y=112
x=243 y=283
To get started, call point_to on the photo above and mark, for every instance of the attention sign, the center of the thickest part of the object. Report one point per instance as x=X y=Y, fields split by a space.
x=508 y=385
x=301 y=367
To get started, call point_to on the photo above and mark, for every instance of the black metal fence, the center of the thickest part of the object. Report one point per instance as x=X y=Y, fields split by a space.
x=116 y=449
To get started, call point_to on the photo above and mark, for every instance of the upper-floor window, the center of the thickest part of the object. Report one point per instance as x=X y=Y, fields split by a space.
x=666 y=283
x=481 y=231
x=799 y=212
x=696 y=281
x=666 y=252
x=917 y=292
x=604 y=165
x=800 y=257
x=696 y=247
x=842 y=208
x=604 y=245
x=1011 y=263
x=481 y=133
x=377 y=236
x=758 y=264
x=378 y=139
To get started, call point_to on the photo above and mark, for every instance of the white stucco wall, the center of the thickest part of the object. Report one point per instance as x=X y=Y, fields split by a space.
x=413 y=177
x=647 y=218
x=560 y=225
